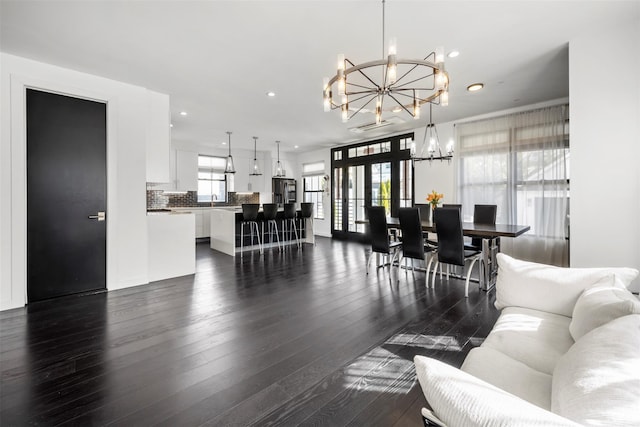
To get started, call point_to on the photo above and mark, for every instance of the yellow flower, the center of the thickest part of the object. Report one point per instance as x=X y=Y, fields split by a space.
x=434 y=198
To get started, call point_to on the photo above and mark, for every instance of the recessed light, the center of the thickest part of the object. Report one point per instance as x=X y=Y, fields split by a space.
x=170 y=125
x=271 y=94
x=295 y=146
x=453 y=54
x=396 y=110
x=183 y=113
x=224 y=142
x=475 y=87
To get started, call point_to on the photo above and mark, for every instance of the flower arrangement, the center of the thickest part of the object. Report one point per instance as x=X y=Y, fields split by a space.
x=434 y=198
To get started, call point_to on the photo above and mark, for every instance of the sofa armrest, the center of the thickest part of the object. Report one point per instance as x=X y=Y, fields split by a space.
x=546 y=287
x=460 y=399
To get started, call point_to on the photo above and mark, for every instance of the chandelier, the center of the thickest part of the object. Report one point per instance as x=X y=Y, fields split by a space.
x=431 y=150
x=229 y=167
x=255 y=169
x=279 y=170
x=389 y=84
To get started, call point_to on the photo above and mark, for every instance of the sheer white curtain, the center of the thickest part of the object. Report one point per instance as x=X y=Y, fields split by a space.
x=520 y=162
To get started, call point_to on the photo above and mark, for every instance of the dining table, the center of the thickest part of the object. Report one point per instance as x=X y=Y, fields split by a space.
x=490 y=235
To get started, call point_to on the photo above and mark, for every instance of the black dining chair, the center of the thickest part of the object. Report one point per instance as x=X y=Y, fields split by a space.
x=414 y=246
x=485 y=215
x=380 y=242
x=451 y=248
x=452 y=205
x=250 y=217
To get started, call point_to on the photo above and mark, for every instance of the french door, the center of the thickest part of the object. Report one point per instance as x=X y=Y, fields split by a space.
x=360 y=179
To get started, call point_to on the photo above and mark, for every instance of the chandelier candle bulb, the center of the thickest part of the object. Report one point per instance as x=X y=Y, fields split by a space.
x=416 y=109
x=345 y=113
x=444 y=98
x=392 y=67
x=439 y=55
x=342 y=80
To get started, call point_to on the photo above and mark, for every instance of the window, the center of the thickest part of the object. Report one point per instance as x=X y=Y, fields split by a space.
x=313 y=184
x=520 y=163
x=212 y=182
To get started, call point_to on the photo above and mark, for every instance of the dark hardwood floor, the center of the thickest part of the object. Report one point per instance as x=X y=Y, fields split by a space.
x=293 y=338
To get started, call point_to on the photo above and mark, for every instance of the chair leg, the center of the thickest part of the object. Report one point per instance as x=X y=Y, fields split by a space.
x=426 y=280
x=241 y=239
x=435 y=272
x=466 y=285
x=369 y=261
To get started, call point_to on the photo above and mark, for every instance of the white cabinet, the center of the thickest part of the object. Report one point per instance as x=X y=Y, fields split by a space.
x=203 y=223
x=186 y=170
x=171 y=247
x=183 y=171
x=158 y=137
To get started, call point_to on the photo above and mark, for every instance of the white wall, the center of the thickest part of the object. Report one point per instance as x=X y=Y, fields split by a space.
x=322 y=227
x=435 y=175
x=604 y=88
x=126 y=157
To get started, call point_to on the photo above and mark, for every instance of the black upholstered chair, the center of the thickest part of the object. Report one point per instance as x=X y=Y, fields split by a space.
x=306 y=213
x=452 y=205
x=414 y=246
x=250 y=218
x=486 y=215
x=270 y=211
x=451 y=248
x=289 y=222
x=380 y=242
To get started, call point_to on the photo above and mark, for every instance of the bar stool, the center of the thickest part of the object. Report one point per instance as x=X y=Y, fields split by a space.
x=306 y=213
x=270 y=210
x=289 y=222
x=249 y=217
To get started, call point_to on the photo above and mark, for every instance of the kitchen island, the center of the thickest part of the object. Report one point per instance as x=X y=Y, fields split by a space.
x=225 y=230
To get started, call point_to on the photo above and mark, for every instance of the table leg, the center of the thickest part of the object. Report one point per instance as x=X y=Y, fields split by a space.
x=489 y=265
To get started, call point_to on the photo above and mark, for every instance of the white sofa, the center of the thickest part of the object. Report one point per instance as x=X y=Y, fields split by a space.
x=564 y=351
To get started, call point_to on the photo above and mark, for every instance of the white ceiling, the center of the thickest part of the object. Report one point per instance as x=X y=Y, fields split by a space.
x=217 y=59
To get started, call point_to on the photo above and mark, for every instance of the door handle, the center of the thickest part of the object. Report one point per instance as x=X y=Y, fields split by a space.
x=100 y=217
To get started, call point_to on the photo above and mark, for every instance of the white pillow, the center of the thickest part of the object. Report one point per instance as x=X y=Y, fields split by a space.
x=597 y=382
x=460 y=399
x=547 y=287
x=600 y=304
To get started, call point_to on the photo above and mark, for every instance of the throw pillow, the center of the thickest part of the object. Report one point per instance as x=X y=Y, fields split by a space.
x=460 y=399
x=546 y=287
x=597 y=382
x=601 y=304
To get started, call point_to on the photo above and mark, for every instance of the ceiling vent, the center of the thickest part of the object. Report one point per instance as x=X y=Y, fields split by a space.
x=373 y=126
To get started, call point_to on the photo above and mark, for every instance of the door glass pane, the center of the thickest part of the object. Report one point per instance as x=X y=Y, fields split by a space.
x=381 y=185
x=356 y=198
x=405 y=184
x=337 y=204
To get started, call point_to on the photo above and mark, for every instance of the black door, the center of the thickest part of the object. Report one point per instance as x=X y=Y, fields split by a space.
x=66 y=185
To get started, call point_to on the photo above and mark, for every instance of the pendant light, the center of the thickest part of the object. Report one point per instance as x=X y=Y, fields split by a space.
x=279 y=171
x=255 y=170
x=229 y=168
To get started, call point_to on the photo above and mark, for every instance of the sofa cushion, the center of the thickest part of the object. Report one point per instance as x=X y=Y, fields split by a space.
x=460 y=399
x=545 y=287
x=509 y=375
x=536 y=338
x=598 y=381
x=605 y=301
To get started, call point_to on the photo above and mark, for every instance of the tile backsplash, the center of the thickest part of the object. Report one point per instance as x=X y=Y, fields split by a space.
x=157 y=199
